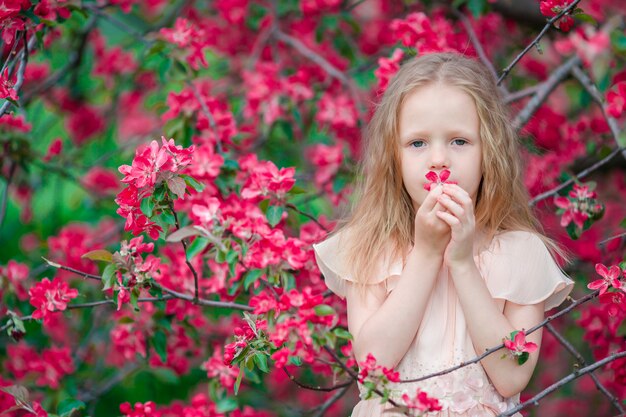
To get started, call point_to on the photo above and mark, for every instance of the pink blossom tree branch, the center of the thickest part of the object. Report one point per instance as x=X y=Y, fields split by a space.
x=535 y=41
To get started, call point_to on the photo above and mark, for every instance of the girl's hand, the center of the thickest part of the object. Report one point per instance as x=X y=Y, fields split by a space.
x=432 y=234
x=460 y=218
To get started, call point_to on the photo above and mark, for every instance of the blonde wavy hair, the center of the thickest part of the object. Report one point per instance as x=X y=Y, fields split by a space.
x=382 y=211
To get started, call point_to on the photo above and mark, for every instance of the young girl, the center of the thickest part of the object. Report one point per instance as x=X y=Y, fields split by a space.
x=436 y=270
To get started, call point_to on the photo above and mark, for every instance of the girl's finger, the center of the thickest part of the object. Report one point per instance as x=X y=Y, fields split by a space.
x=452 y=206
x=448 y=218
x=431 y=199
x=458 y=194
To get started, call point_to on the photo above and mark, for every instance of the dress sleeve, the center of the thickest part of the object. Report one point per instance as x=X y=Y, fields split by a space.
x=519 y=268
x=329 y=256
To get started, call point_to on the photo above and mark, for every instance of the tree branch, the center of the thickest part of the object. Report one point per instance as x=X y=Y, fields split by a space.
x=582 y=361
x=574 y=375
x=535 y=41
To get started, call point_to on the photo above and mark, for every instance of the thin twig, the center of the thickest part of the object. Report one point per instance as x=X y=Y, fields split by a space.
x=574 y=375
x=200 y=301
x=184 y=243
x=500 y=346
x=20 y=72
x=544 y=91
x=591 y=88
x=476 y=43
x=317 y=387
x=518 y=95
x=333 y=399
x=582 y=361
x=208 y=115
x=297 y=210
x=535 y=41
x=578 y=176
x=603 y=242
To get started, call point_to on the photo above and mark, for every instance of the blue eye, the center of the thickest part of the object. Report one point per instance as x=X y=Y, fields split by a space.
x=463 y=142
x=417 y=143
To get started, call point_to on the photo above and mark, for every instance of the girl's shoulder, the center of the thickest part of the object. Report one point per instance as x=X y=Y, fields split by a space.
x=519 y=267
x=330 y=256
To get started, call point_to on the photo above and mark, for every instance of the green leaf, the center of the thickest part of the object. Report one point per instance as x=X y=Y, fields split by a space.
x=67 y=406
x=98 y=255
x=108 y=276
x=134 y=296
x=238 y=380
x=159 y=341
x=196 y=247
x=586 y=18
x=226 y=405
x=477 y=7
x=274 y=214
x=261 y=362
x=342 y=333
x=147 y=206
x=324 y=310
x=190 y=181
x=296 y=190
x=251 y=277
x=232 y=256
x=521 y=359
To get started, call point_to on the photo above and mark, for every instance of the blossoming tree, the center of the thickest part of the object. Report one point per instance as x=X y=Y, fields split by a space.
x=167 y=165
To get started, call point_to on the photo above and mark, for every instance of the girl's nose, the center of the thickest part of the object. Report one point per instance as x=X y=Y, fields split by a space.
x=438 y=158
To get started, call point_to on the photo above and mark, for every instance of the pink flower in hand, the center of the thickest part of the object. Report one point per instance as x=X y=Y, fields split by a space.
x=436 y=179
x=610 y=277
x=519 y=347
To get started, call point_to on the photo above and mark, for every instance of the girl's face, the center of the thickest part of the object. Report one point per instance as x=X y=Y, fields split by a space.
x=439 y=129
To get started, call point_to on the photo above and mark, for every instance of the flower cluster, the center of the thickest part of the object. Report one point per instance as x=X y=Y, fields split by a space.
x=616 y=100
x=129 y=271
x=614 y=300
x=244 y=334
x=147 y=409
x=216 y=368
x=551 y=8
x=518 y=346
x=151 y=166
x=375 y=377
x=437 y=179
x=421 y=402
x=48 y=368
x=16 y=274
x=47 y=296
x=580 y=207
x=387 y=68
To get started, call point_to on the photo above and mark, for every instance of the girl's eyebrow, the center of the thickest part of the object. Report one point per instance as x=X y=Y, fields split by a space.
x=418 y=134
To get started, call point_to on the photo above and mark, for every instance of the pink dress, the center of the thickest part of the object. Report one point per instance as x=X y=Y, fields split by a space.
x=516 y=266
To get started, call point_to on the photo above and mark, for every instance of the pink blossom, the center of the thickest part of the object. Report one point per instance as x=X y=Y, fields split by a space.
x=551 y=8
x=437 y=179
x=180 y=35
x=616 y=302
x=10 y=122
x=617 y=100
x=17 y=275
x=519 y=344
x=215 y=368
x=6 y=86
x=55 y=148
x=327 y=160
x=387 y=68
x=101 y=181
x=48 y=296
x=421 y=401
x=206 y=212
x=610 y=277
